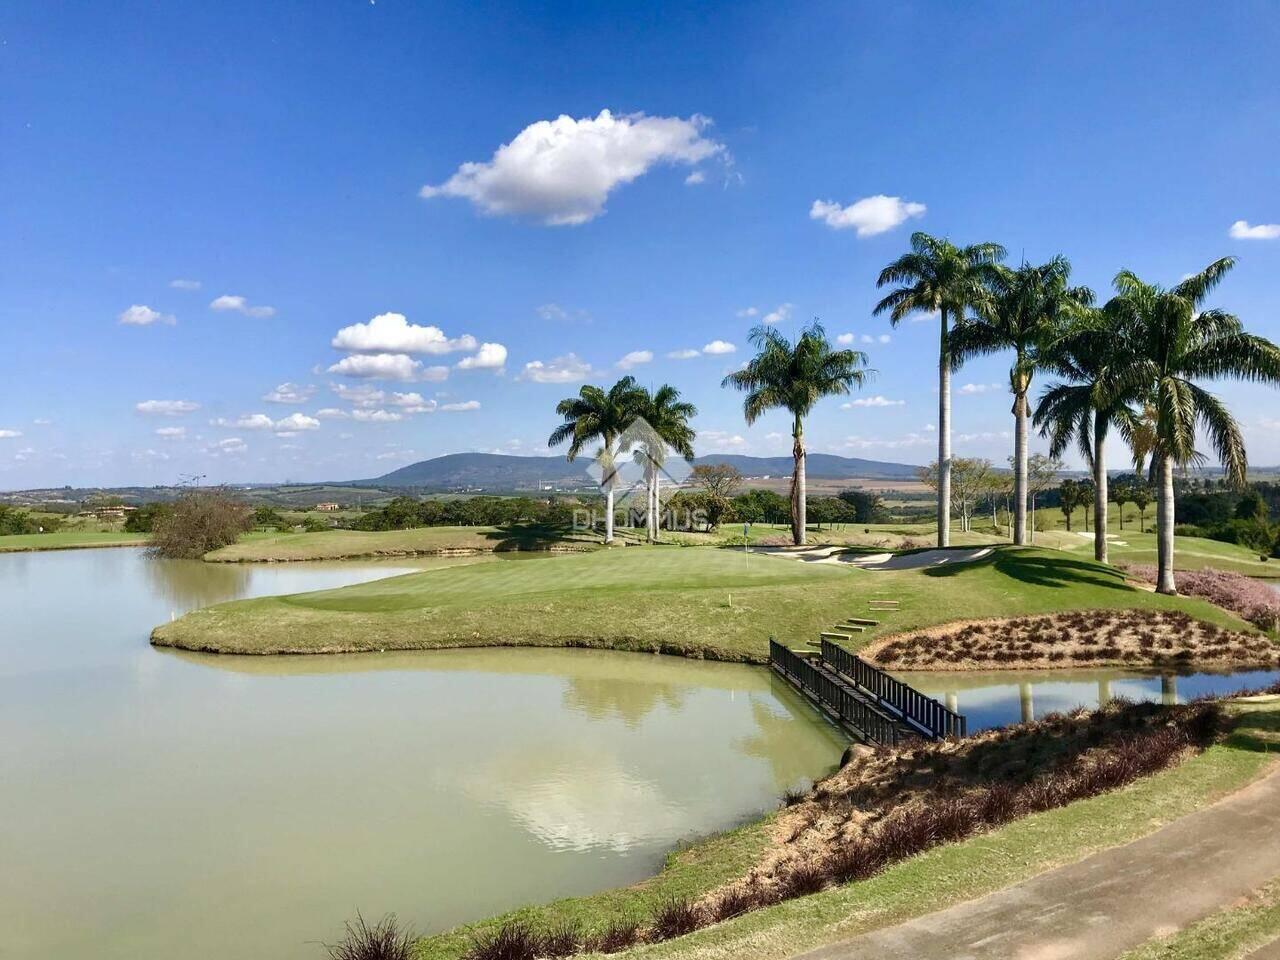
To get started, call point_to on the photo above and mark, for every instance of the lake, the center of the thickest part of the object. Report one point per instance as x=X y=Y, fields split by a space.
x=162 y=804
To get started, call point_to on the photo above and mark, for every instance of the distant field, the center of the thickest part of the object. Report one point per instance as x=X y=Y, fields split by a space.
x=829 y=487
x=69 y=540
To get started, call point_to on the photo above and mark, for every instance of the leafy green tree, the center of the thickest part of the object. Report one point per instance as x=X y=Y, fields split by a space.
x=936 y=276
x=868 y=506
x=1069 y=498
x=1028 y=311
x=143 y=520
x=1141 y=495
x=1253 y=507
x=794 y=377
x=201 y=519
x=1179 y=342
x=596 y=414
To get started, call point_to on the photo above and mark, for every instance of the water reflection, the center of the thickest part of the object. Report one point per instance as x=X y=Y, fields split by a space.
x=996 y=698
x=144 y=785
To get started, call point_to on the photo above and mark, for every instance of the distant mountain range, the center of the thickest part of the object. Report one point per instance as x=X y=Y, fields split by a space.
x=494 y=471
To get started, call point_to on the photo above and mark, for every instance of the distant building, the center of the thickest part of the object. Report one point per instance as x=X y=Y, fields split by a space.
x=328 y=507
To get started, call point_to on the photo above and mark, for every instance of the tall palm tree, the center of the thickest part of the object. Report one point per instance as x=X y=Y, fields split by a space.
x=1089 y=356
x=1027 y=311
x=938 y=276
x=667 y=418
x=604 y=415
x=794 y=377
x=1179 y=343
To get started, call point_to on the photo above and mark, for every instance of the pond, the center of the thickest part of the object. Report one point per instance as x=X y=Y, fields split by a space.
x=1000 y=697
x=160 y=804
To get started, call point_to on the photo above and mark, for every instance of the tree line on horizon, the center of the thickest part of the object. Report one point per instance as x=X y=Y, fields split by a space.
x=1133 y=365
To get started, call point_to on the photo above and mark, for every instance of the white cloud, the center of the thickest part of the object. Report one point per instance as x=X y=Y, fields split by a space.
x=893 y=443
x=460 y=406
x=166 y=408
x=42 y=421
x=376 y=416
x=185 y=284
x=695 y=178
x=551 y=311
x=150 y=455
x=332 y=413
x=290 y=393
x=748 y=311
x=977 y=388
x=987 y=435
x=490 y=356
x=231 y=446
x=720 y=440
x=1242 y=230
x=393 y=333
x=412 y=403
x=876 y=401
x=779 y=315
x=359 y=395
x=868 y=338
x=295 y=422
x=143 y=316
x=260 y=421
x=634 y=359
x=562 y=171
x=433 y=374
x=237 y=304
x=172 y=433
x=869 y=216
x=10 y=434
x=567 y=369
x=686 y=354
x=845 y=339
x=379 y=366
x=718 y=346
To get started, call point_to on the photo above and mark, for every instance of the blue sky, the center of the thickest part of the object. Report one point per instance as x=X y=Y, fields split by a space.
x=274 y=156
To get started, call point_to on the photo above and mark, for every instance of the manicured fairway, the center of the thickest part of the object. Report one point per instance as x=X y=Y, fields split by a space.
x=69 y=540
x=699 y=601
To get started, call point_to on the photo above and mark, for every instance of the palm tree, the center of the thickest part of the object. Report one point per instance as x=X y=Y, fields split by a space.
x=667 y=418
x=794 y=377
x=597 y=414
x=938 y=276
x=1177 y=343
x=1027 y=311
x=1088 y=357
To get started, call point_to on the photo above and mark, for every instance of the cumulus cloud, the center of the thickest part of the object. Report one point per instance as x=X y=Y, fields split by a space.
x=695 y=178
x=460 y=406
x=139 y=315
x=868 y=338
x=977 y=388
x=686 y=354
x=185 y=284
x=379 y=366
x=290 y=393
x=490 y=356
x=332 y=413
x=231 y=446
x=562 y=171
x=295 y=422
x=718 y=347
x=845 y=339
x=748 y=311
x=876 y=401
x=720 y=440
x=166 y=408
x=868 y=216
x=567 y=369
x=260 y=421
x=393 y=333
x=234 y=303
x=634 y=359
x=412 y=403
x=986 y=435
x=1243 y=230
x=891 y=443
x=172 y=433
x=781 y=314
x=358 y=395
x=362 y=415
x=10 y=434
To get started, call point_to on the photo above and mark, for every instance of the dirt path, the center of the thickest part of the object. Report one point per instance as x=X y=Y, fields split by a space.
x=1111 y=902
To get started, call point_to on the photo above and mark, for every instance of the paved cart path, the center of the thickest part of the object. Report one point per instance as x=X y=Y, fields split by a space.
x=1108 y=903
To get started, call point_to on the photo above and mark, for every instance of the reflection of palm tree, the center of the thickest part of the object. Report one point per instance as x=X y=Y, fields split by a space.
x=603 y=697
x=785 y=738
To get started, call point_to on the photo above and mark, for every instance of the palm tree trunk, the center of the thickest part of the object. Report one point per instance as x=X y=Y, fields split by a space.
x=608 y=511
x=798 y=486
x=655 y=518
x=1164 y=529
x=944 y=437
x=1020 y=470
x=1099 y=489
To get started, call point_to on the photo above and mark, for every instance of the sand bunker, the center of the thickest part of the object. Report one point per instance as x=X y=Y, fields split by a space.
x=879 y=561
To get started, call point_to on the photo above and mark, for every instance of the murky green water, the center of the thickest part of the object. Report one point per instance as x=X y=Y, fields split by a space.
x=157 y=805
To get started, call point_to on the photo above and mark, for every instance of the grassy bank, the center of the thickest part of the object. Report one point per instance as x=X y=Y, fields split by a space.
x=924 y=884
x=350 y=544
x=717 y=603
x=69 y=540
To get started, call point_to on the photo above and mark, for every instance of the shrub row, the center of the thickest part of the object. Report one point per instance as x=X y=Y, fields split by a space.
x=1250 y=599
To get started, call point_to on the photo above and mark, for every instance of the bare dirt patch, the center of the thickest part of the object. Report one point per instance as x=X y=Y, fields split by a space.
x=1082 y=638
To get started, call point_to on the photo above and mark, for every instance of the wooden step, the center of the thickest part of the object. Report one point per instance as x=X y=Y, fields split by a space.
x=853 y=627
x=835 y=636
x=862 y=621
